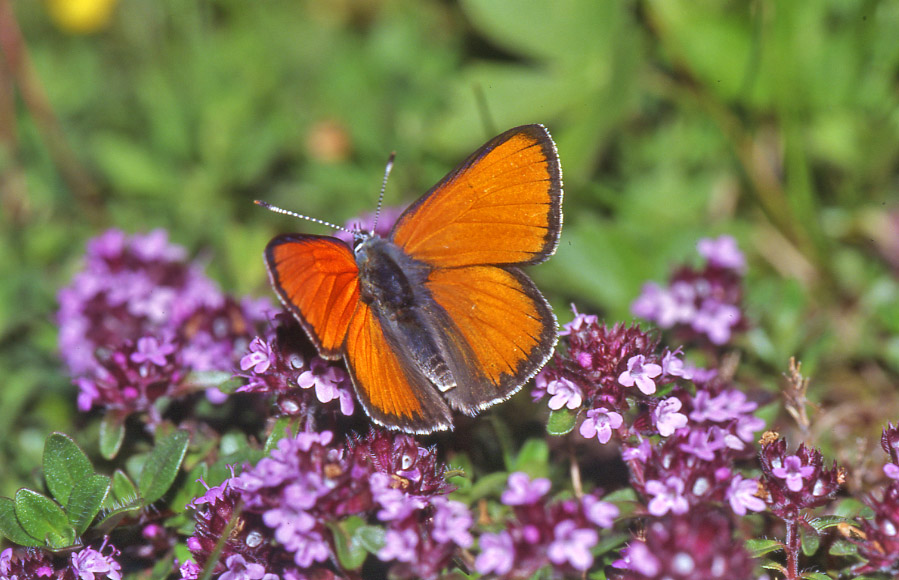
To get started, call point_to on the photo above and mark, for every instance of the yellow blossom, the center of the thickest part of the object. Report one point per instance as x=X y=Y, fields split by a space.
x=81 y=16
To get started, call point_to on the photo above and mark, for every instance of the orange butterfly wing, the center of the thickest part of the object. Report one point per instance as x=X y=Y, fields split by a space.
x=505 y=322
x=392 y=392
x=317 y=279
x=500 y=208
x=503 y=205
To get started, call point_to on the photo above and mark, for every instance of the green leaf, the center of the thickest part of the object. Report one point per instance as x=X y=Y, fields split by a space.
x=350 y=552
x=769 y=565
x=123 y=489
x=283 y=427
x=370 y=537
x=459 y=474
x=85 y=500
x=10 y=526
x=561 y=422
x=841 y=547
x=849 y=508
x=816 y=576
x=206 y=379
x=162 y=466
x=611 y=542
x=491 y=484
x=65 y=464
x=809 y=539
x=824 y=522
x=191 y=487
x=112 y=434
x=42 y=518
x=758 y=548
x=112 y=518
x=533 y=458
x=625 y=494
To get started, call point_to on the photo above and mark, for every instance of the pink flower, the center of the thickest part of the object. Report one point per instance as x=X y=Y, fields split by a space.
x=259 y=358
x=522 y=490
x=497 y=554
x=564 y=394
x=667 y=418
x=572 y=545
x=600 y=423
x=741 y=495
x=640 y=373
x=668 y=496
x=794 y=472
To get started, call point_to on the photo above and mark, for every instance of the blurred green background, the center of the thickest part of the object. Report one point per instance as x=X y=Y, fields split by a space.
x=775 y=122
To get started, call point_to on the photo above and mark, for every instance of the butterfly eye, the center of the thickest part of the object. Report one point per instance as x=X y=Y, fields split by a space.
x=358 y=239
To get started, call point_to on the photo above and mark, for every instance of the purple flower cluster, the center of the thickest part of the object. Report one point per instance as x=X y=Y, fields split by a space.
x=138 y=318
x=310 y=484
x=798 y=481
x=602 y=369
x=85 y=564
x=611 y=373
x=795 y=482
x=703 y=305
x=698 y=544
x=693 y=466
x=283 y=360
x=542 y=532
x=878 y=542
x=681 y=430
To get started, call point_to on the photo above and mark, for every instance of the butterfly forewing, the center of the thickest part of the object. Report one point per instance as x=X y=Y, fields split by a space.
x=503 y=205
x=316 y=277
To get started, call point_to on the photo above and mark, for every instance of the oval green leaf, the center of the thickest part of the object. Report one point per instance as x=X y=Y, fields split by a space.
x=123 y=489
x=284 y=427
x=533 y=458
x=350 y=552
x=758 y=548
x=65 y=464
x=370 y=537
x=561 y=422
x=42 y=518
x=809 y=539
x=85 y=501
x=162 y=466
x=112 y=434
x=112 y=518
x=816 y=576
x=10 y=526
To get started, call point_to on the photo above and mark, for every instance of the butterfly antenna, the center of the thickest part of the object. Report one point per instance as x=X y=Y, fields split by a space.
x=383 y=188
x=276 y=209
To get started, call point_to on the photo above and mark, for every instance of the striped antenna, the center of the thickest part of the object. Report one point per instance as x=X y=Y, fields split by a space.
x=383 y=188
x=276 y=209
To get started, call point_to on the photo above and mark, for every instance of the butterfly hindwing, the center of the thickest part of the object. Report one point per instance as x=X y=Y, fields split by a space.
x=317 y=279
x=392 y=390
x=506 y=325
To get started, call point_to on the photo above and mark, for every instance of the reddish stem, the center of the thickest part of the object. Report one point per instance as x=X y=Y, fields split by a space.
x=793 y=546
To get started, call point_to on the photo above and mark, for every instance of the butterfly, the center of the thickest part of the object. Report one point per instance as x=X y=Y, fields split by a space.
x=437 y=316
